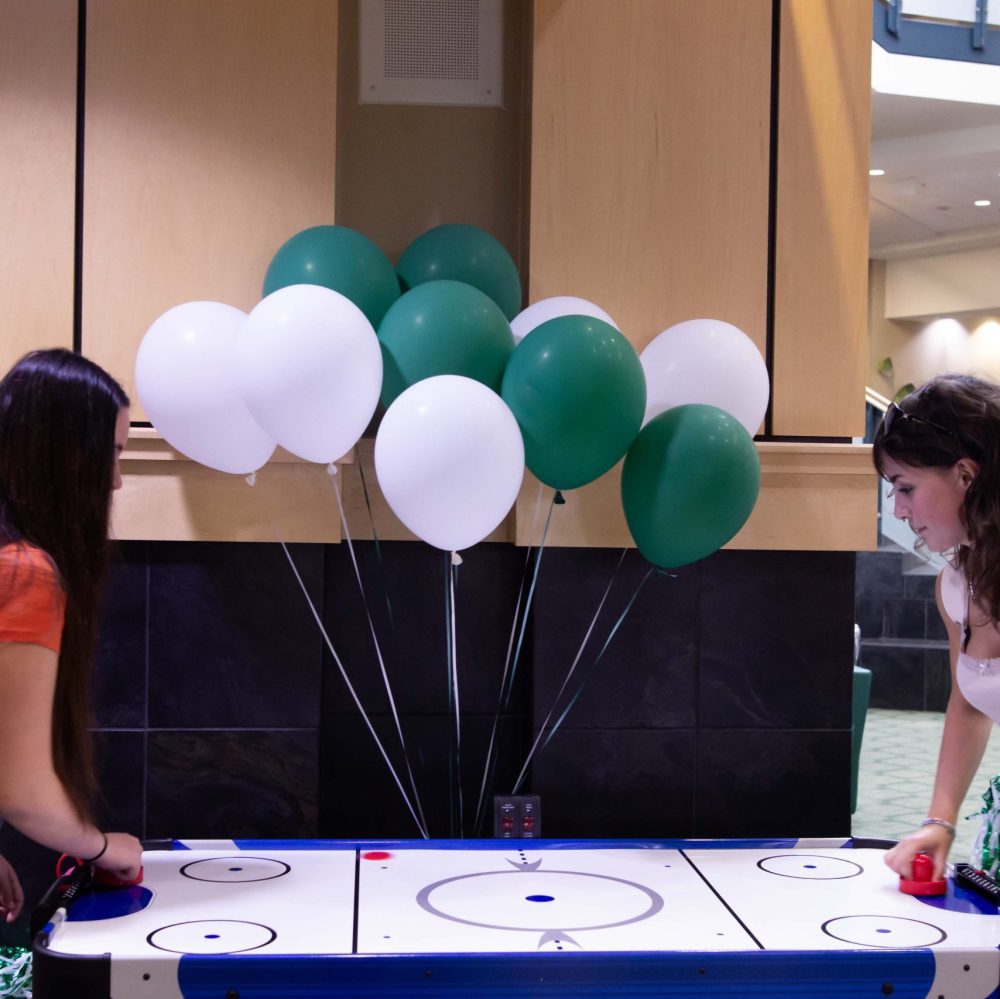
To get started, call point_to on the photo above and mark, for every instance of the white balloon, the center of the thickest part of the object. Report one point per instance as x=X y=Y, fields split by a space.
x=552 y=308
x=449 y=457
x=309 y=366
x=184 y=378
x=707 y=361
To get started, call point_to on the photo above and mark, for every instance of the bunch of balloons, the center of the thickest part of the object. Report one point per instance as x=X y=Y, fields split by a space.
x=474 y=390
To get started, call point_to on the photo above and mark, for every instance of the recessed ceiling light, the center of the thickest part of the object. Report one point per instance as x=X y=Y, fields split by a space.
x=982 y=203
x=876 y=173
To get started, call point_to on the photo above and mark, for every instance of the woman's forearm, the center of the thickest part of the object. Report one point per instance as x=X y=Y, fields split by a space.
x=963 y=742
x=44 y=814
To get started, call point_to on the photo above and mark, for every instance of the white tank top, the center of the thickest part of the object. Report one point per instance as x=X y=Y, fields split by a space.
x=978 y=679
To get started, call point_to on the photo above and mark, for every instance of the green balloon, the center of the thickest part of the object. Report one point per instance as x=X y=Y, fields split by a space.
x=339 y=258
x=467 y=254
x=577 y=389
x=443 y=328
x=689 y=483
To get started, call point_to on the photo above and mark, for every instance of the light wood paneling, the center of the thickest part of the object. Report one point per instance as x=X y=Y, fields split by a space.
x=210 y=139
x=649 y=195
x=649 y=160
x=404 y=168
x=37 y=171
x=812 y=498
x=167 y=497
x=820 y=346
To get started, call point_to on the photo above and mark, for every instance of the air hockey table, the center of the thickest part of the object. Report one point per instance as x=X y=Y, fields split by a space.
x=247 y=919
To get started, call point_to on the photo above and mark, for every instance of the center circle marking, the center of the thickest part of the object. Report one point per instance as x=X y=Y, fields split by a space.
x=642 y=902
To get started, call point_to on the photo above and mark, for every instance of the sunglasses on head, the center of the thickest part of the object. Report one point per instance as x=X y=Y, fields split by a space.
x=895 y=416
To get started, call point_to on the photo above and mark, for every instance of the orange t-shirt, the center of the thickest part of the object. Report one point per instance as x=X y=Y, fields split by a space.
x=32 y=601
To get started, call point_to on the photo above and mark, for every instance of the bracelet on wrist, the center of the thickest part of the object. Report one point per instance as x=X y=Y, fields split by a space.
x=100 y=853
x=947 y=826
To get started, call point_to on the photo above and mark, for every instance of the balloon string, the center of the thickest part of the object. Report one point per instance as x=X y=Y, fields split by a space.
x=350 y=689
x=572 y=668
x=583 y=681
x=251 y=481
x=378 y=546
x=507 y=679
x=451 y=571
x=332 y=472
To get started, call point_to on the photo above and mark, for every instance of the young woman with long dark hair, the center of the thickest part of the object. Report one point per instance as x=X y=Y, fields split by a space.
x=940 y=451
x=63 y=425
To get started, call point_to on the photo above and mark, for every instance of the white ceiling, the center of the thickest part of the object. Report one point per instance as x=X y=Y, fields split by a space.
x=939 y=156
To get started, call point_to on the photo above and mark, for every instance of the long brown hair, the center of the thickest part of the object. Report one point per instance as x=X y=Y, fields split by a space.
x=957 y=416
x=57 y=425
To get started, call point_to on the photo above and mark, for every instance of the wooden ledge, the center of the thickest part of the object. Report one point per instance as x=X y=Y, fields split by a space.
x=814 y=497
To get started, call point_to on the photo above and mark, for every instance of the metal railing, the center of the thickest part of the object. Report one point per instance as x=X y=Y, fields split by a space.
x=962 y=30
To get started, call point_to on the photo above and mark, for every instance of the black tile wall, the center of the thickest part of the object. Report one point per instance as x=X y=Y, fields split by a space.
x=755 y=782
x=361 y=799
x=120 y=762
x=905 y=618
x=232 y=643
x=898 y=675
x=934 y=627
x=404 y=583
x=119 y=679
x=719 y=704
x=232 y=784
x=919 y=585
x=646 y=676
x=755 y=645
x=879 y=577
x=637 y=782
x=904 y=641
x=777 y=631
x=937 y=678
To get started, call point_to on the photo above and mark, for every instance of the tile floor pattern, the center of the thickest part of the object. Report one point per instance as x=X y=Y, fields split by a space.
x=896 y=773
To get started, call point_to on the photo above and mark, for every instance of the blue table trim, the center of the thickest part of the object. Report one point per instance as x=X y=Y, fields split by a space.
x=742 y=973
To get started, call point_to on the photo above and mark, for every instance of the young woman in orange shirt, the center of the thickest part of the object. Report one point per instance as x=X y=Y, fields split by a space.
x=63 y=424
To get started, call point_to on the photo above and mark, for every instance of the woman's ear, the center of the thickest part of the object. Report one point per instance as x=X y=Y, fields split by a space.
x=967 y=470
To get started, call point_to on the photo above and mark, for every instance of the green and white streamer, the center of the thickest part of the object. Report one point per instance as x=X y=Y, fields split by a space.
x=15 y=973
x=986 y=850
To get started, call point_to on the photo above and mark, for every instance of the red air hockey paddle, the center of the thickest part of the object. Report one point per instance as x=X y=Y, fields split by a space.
x=923 y=882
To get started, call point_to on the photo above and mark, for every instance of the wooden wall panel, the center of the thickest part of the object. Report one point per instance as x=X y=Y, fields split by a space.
x=403 y=168
x=210 y=139
x=649 y=160
x=813 y=497
x=820 y=314
x=167 y=497
x=37 y=171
